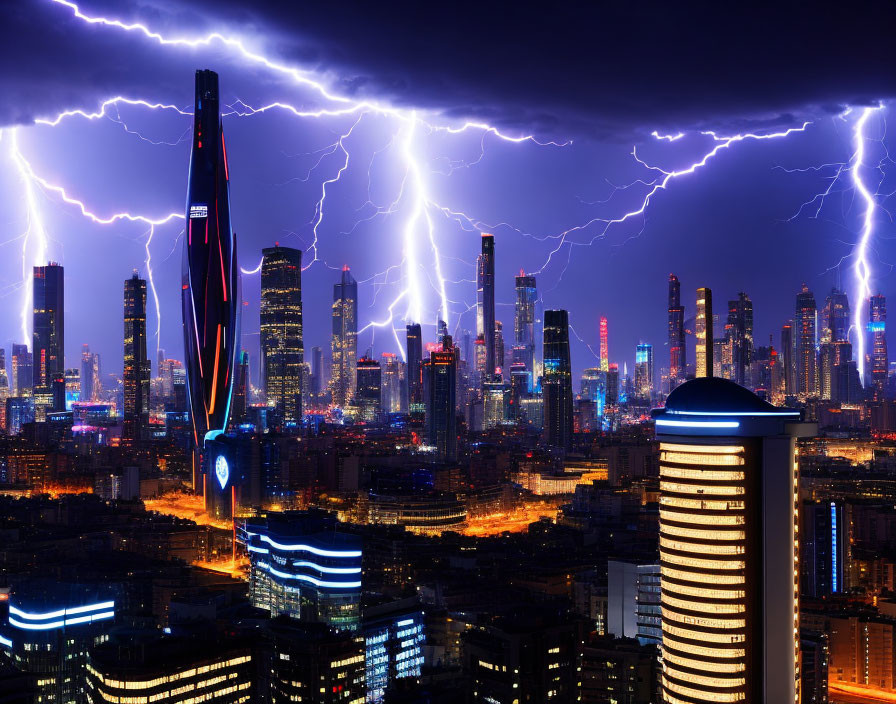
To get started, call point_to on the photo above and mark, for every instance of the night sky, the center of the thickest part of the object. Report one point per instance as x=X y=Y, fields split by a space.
x=604 y=77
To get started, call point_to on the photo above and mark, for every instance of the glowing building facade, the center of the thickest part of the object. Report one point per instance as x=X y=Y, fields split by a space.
x=644 y=371
x=48 y=349
x=210 y=290
x=344 y=342
x=806 y=363
x=485 y=302
x=678 y=351
x=604 y=345
x=739 y=339
x=282 y=350
x=557 y=380
x=414 y=339
x=302 y=566
x=524 y=322
x=704 y=333
x=729 y=499
x=136 y=373
x=877 y=325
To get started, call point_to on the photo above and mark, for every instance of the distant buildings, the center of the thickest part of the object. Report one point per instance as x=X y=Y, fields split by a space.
x=368 y=389
x=344 y=343
x=136 y=373
x=739 y=338
x=877 y=325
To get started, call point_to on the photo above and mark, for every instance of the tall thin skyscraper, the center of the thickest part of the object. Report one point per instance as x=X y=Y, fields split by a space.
x=48 y=348
x=485 y=301
x=282 y=350
x=877 y=324
x=557 y=380
x=835 y=348
x=644 y=371
x=414 y=341
x=499 y=345
x=440 y=380
x=136 y=364
x=211 y=284
x=524 y=322
x=703 y=330
x=739 y=334
x=391 y=382
x=729 y=499
x=4 y=389
x=317 y=372
x=87 y=386
x=22 y=370
x=806 y=359
x=241 y=390
x=345 y=339
x=678 y=359
x=787 y=353
x=369 y=388
x=604 y=345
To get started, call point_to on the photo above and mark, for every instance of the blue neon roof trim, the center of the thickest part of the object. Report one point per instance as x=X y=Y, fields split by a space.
x=5 y=641
x=311 y=549
x=306 y=578
x=61 y=612
x=734 y=413
x=697 y=423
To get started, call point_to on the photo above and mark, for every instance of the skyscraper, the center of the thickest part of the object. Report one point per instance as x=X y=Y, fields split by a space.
x=739 y=337
x=835 y=348
x=211 y=284
x=678 y=358
x=282 y=351
x=485 y=301
x=391 y=382
x=877 y=324
x=499 y=346
x=703 y=330
x=4 y=389
x=22 y=370
x=604 y=345
x=241 y=390
x=415 y=367
x=524 y=322
x=729 y=496
x=557 y=380
x=806 y=360
x=48 y=348
x=440 y=380
x=368 y=389
x=88 y=388
x=345 y=339
x=317 y=372
x=644 y=371
x=136 y=364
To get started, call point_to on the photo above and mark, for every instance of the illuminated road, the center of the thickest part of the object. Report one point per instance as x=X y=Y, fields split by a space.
x=186 y=506
x=842 y=693
x=516 y=521
x=238 y=569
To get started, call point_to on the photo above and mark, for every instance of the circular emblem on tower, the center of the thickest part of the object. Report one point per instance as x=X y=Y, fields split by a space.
x=222 y=470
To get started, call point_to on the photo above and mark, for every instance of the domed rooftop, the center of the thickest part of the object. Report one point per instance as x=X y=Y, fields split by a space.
x=714 y=395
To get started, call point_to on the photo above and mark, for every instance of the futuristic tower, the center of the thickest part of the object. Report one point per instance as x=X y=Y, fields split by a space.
x=210 y=291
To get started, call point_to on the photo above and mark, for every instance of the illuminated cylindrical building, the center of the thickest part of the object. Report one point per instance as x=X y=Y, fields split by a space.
x=728 y=545
x=210 y=291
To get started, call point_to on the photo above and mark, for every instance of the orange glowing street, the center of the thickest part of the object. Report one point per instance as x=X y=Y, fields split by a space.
x=843 y=693
x=186 y=506
x=515 y=521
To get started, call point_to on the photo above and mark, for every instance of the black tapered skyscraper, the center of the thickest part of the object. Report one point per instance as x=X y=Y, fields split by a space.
x=210 y=295
x=136 y=363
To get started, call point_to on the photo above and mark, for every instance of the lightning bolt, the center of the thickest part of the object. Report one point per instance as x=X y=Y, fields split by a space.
x=861 y=267
x=419 y=225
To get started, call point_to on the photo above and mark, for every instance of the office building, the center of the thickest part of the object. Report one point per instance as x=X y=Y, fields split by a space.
x=22 y=370
x=344 y=342
x=805 y=338
x=739 y=339
x=787 y=360
x=393 y=644
x=644 y=372
x=557 y=380
x=485 y=302
x=524 y=321
x=633 y=601
x=604 y=345
x=612 y=398
x=303 y=566
x=877 y=326
x=703 y=331
x=317 y=373
x=391 y=383
x=729 y=498
x=282 y=351
x=48 y=348
x=211 y=285
x=440 y=382
x=136 y=373
x=678 y=357
x=824 y=547
x=414 y=341
x=368 y=389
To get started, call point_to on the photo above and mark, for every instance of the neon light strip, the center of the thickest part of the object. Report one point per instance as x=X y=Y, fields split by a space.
x=328 y=570
x=252 y=548
x=61 y=612
x=311 y=549
x=211 y=408
x=5 y=641
x=697 y=423
x=312 y=580
x=834 y=585
x=59 y=624
x=406 y=622
x=719 y=413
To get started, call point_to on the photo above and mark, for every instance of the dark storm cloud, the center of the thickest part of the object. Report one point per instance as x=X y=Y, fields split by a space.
x=603 y=69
